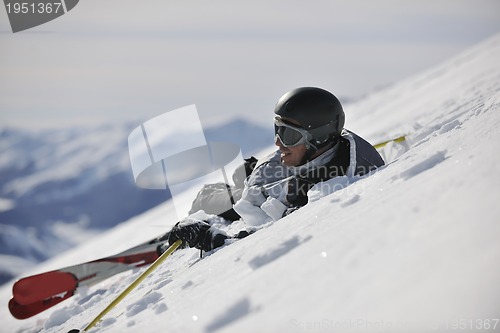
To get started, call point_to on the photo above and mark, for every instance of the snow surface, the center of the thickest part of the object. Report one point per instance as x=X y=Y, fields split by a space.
x=413 y=247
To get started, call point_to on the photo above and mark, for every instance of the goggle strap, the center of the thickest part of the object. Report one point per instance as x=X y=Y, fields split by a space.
x=322 y=133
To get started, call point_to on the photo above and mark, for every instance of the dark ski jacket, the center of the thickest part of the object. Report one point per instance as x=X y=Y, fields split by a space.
x=353 y=157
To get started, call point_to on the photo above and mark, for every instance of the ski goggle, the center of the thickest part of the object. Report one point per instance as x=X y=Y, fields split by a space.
x=289 y=135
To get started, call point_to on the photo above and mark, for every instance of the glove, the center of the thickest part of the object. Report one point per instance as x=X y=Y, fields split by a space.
x=197 y=234
x=243 y=171
x=274 y=208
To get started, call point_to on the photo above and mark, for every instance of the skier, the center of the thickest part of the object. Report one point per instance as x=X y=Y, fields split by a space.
x=313 y=147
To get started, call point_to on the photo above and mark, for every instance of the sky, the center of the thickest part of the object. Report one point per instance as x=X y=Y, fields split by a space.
x=116 y=60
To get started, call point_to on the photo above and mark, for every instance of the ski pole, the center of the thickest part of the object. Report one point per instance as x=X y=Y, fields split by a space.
x=134 y=284
x=382 y=144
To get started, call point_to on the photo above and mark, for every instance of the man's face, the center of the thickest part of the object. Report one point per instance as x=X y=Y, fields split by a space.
x=291 y=156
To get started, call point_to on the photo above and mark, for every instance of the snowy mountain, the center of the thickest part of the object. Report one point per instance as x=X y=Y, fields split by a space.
x=412 y=248
x=60 y=187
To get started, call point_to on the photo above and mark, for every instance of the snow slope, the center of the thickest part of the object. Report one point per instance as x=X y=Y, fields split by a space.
x=414 y=247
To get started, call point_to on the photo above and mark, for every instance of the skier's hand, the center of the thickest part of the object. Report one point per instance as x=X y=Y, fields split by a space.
x=198 y=234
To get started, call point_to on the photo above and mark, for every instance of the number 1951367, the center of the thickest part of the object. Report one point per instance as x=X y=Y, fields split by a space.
x=33 y=8
x=472 y=324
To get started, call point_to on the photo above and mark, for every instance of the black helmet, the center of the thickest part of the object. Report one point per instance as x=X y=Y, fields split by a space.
x=315 y=109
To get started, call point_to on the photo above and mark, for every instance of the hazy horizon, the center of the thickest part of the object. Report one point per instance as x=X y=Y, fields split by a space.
x=118 y=60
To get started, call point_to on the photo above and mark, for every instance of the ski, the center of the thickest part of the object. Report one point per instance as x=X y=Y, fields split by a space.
x=25 y=311
x=42 y=286
x=36 y=293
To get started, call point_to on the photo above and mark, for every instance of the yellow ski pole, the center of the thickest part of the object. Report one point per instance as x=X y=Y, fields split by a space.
x=134 y=284
x=382 y=144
